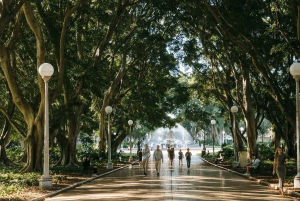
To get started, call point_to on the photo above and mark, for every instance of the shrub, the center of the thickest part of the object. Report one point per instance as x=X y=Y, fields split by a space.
x=65 y=169
x=54 y=154
x=15 y=153
x=227 y=151
x=266 y=152
x=12 y=181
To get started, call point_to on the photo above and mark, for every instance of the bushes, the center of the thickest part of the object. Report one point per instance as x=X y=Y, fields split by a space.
x=65 y=169
x=12 y=181
x=15 y=153
x=227 y=151
x=266 y=152
x=90 y=151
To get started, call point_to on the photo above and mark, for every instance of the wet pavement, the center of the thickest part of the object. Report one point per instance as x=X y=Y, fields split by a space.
x=200 y=182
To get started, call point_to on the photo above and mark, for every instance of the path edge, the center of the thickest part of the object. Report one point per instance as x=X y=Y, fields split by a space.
x=259 y=181
x=52 y=194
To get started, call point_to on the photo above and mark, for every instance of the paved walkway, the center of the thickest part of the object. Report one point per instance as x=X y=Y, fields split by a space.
x=201 y=182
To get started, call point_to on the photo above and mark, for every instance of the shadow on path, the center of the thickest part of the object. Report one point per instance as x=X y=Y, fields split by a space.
x=201 y=182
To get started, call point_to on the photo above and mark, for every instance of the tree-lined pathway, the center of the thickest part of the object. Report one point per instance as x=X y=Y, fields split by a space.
x=201 y=182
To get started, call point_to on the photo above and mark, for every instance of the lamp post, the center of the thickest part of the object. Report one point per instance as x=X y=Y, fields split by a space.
x=213 y=122
x=130 y=122
x=203 y=152
x=46 y=71
x=108 y=110
x=295 y=71
x=234 y=109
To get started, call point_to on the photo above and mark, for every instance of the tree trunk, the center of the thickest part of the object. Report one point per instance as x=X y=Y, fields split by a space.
x=116 y=142
x=63 y=145
x=34 y=148
x=73 y=131
x=67 y=143
x=6 y=131
x=3 y=157
x=4 y=138
x=249 y=116
x=110 y=91
x=102 y=136
x=34 y=135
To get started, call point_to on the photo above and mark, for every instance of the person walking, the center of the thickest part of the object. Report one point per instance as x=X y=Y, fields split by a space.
x=145 y=156
x=180 y=153
x=188 y=156
x=279 y=167
x=168 y=151
x=158 y=159
x=172 y=155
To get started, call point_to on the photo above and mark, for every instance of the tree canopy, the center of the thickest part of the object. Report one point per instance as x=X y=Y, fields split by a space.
x=129 y=54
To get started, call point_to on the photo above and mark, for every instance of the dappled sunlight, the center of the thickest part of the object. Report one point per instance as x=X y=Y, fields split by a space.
x=201 y=182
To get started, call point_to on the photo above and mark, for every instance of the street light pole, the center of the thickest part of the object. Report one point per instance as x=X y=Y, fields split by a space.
x=108 y=110
x=234 y=109
x=203 y=153
x=130 y=122
x=213 y=122
x=295 y=71
x=46 y=71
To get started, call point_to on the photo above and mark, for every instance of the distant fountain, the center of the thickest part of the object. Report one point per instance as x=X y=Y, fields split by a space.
x=177 y=137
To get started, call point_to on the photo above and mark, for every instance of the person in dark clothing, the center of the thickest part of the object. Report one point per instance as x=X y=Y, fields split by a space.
x=180 y=157
x=168 y=151
x=140 y=155
x=188 y=156
x=171 y=155
x=279 y=167
x=86 y=164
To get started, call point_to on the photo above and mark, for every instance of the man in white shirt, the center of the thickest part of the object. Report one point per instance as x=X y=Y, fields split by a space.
x=255 y=162
x=158 y=159
x=145 y=156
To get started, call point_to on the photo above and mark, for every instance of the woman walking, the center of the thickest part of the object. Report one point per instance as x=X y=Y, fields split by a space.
x=180 y=153
x=279 y=167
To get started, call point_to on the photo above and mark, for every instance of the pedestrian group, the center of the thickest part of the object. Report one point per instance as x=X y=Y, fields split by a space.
x=159 y=159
